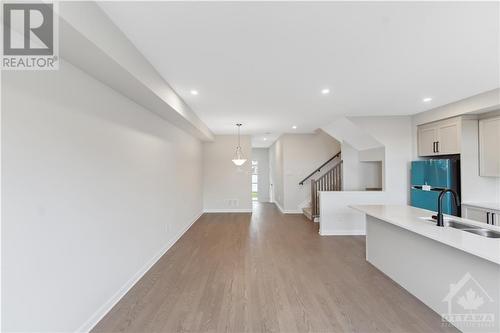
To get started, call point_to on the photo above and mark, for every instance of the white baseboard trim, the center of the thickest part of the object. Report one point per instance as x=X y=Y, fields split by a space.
x=279 y=207
x=108 y=305
x=283 y=211
x=293 y=212
x=234 y=210
x=360 y=232
x=304 y=204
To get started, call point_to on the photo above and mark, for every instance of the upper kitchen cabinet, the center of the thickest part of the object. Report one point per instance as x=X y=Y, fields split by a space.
x=489 y=147
x=427 y=138
x=439 y=138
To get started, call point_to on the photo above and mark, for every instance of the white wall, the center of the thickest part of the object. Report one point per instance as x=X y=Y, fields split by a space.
x=373 y=167
x=475 y=188
x=226 y=187
x=362 y=169
x=113 y=59
x=351 y=168
x=261 y=155
x=95 y=189
x=336 y=218
x=395 y=133
x=486 y=101
x=292 y=157
x=344 y=130
x=302 y=154
x=276 y=173
x=371 y=175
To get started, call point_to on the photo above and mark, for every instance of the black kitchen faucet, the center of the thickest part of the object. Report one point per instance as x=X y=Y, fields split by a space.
x=439 y=218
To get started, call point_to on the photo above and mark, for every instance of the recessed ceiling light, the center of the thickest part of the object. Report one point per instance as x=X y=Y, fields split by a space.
x=265 y=139
x=194 y=92
x=325 y=91
x=427 y=99
x=294 y=127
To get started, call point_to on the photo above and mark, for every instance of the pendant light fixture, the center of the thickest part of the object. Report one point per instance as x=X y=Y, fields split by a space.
x=239 y=159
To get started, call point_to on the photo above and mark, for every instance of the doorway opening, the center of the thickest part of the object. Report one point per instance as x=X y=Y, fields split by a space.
x=255 y=181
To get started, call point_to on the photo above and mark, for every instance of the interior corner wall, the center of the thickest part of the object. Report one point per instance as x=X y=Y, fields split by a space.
x=395 y=133
x=291 y=158
x=227 y=188
x=362 y=169
x=485 y=101
x=351 y=180
x=302 y=154
x=95 y=189
x=276 y=173
x=261 y=155
x=475 y=188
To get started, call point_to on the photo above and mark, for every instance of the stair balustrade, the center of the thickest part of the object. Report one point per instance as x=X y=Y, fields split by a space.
x=330 y=181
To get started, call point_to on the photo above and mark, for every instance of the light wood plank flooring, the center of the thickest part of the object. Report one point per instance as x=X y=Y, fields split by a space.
x=267 y=272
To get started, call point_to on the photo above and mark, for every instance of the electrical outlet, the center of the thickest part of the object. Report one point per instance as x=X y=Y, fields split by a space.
x=232 y=202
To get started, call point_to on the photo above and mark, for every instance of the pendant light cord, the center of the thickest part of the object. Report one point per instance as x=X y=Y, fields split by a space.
x=239 y=144
x=239 y=159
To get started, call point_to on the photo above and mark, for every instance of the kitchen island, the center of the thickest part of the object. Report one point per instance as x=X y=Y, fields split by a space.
x=454 y=272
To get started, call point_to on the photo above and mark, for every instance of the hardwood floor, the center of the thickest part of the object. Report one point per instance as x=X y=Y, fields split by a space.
x=267 y=272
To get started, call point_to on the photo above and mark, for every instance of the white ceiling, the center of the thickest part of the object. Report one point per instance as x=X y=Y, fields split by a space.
x=264 y=64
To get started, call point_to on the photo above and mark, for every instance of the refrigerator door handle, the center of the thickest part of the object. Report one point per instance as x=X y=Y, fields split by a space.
x=434 y=147
x=437 y=146
x=487 y=217
x=438 y=189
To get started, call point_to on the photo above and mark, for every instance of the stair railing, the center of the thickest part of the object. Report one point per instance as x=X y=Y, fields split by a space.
x=319 y=169
x=330 y=181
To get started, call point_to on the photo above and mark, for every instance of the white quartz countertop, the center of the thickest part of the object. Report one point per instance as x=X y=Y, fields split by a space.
x=411 y=218
x=486 y=205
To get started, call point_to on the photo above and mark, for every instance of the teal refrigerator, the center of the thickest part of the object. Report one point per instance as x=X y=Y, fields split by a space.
x=429 y=178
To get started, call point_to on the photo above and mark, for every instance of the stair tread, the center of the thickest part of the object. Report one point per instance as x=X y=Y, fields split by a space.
x=308 y=212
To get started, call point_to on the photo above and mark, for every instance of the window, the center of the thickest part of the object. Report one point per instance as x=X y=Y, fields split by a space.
x=255 y=180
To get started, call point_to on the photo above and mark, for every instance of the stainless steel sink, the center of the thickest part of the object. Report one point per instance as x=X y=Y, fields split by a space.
x=472 y=229
x=456 y=225
x=484 y=232
x=468 y=228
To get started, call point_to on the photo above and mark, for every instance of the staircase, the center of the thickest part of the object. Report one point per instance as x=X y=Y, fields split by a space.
x=308 y=213
x=331 y=180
